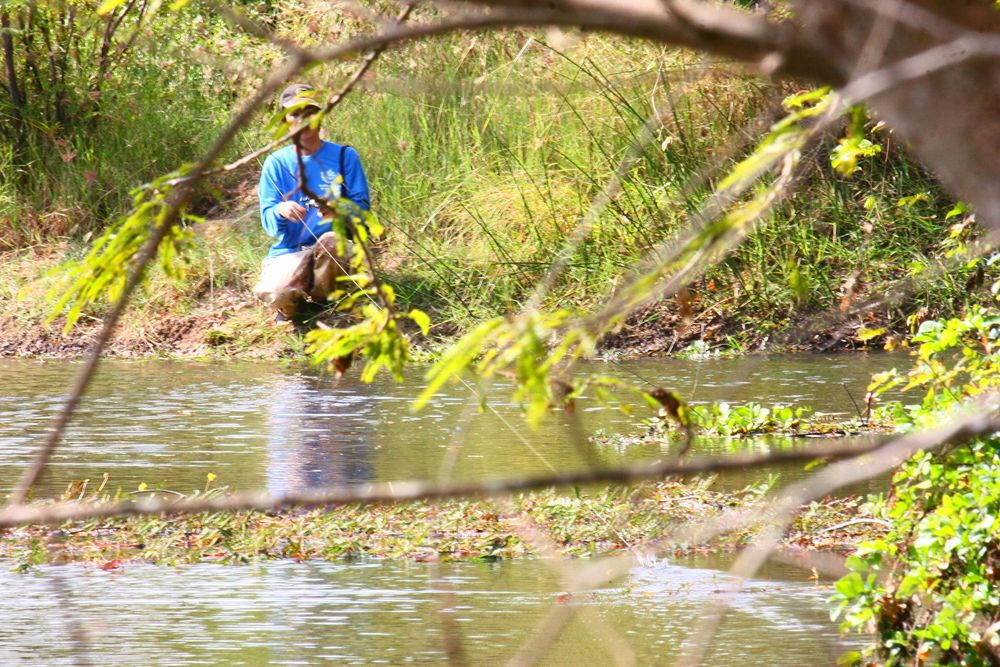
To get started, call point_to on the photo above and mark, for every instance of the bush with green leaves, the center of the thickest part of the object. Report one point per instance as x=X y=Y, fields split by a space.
x=749 y=419
x=930 y=589
x=99 y=96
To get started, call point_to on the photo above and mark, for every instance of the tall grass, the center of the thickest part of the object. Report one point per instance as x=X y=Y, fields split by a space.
x=154 y=113
x=483 y=180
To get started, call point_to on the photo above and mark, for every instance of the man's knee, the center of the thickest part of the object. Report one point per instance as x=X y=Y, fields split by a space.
x=331 y=260
x=329 y=243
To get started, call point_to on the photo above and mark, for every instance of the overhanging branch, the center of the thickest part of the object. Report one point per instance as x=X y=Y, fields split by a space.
x=406 y=491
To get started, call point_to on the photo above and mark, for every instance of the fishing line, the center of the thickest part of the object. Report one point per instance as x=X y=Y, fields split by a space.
x=459 y=279
x=341 y=267
x=632 y=372
x=300 y=179
x=468 y=386
x=510 y=426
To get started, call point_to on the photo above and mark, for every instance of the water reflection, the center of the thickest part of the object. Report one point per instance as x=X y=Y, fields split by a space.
x=284 y=613
x=265 y=425
x=314 y=438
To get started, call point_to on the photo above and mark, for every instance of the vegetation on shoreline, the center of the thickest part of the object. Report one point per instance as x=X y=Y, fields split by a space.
x=586 y=523
x=927 y=589
x=479 y=191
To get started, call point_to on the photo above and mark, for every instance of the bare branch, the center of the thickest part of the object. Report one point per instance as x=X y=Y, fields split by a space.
x=831 y=478
x=404 y=491
x=920 y=65
x=982 y=421
x=716 y=29
x=692 y=24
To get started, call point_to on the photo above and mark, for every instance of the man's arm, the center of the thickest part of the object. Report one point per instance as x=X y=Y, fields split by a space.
x=355 y=186
x=269 y=192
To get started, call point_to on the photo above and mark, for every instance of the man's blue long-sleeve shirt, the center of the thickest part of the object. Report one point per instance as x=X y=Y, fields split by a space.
x=279 y=182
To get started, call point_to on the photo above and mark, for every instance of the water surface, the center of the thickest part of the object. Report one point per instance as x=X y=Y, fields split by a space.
x=288 y=427
x=285 y=613
x=264 y=425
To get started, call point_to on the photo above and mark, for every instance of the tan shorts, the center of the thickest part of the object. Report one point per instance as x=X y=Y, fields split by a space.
x=309 y=274
x=276 y=273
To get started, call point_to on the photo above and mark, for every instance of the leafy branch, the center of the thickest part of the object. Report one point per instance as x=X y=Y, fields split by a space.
x=102 y=273
x=531 y=347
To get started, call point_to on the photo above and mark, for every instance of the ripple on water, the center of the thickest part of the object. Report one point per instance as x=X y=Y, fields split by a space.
x=285 y=613
x=263 y=425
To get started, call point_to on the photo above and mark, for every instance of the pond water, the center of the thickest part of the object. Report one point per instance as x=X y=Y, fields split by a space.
x=264 y=425
x=286 y=613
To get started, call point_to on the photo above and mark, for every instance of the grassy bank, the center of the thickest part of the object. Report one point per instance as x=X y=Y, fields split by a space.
x=484 y=153
x=210 y=312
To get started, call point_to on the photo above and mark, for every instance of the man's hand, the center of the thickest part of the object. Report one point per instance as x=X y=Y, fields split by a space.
x=291 y=210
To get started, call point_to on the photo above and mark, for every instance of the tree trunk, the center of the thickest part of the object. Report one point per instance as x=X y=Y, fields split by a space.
x=13 y=87
x=944 y=103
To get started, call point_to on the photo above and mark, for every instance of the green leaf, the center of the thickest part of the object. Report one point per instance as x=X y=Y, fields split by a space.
x=458 y=357
x=850 y=586
x=959 y=209
x=422 y=320
x=802 y=99
x=109 y=6
x=865 y=334
x=856 y=564
x=913 y=200
x=849 y=658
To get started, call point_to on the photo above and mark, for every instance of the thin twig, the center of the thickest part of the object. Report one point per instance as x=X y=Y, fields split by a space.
x=404 y=491
x=982 y=421
x=853 y=470
x=854 y=522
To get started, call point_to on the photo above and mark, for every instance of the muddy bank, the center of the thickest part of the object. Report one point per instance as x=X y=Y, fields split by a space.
x=202 y=320
x=233 y=326
x=237 y=326
x=210 y=313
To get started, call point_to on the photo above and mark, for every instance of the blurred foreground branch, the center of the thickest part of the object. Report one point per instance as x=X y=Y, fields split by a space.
x=983 y=421
x=958 y=430
x=875 y=460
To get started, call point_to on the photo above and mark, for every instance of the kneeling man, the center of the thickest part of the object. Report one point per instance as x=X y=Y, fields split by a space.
x=303 y=264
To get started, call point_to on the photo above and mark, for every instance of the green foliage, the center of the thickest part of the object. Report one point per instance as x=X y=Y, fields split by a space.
x=376 y=338
x=749 y=419
x=786 y=137
x=103 y=273
x=522 y=346
x=376 y=335
x=480 y=190
x=930 y=589
x=855 y=146
x=530 y=346
x=533 y=349
x=106 y=102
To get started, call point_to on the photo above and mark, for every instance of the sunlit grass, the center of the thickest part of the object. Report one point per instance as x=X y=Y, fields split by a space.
x=485 y=152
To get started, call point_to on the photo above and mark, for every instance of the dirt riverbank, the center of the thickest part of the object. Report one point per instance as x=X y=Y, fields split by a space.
x=202 y=318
